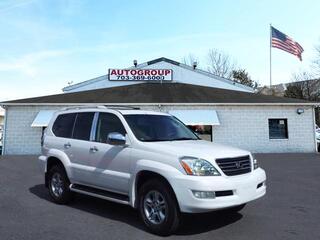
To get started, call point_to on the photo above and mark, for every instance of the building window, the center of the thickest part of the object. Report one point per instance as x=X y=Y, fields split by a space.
x=278 y=129
x=203 y=131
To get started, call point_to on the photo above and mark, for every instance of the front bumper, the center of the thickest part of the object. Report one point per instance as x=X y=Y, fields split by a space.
x=244 y=189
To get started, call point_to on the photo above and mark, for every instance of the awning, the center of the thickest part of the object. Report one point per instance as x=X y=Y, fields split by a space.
x=43 y=118
x=197 y=117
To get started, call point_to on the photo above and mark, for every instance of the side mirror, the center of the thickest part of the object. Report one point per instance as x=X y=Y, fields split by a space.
x=116 y=138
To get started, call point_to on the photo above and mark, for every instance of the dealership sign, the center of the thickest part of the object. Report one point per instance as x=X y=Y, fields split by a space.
x=140 y=74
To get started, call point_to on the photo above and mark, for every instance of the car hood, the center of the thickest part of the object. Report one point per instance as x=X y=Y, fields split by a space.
x=196 y=148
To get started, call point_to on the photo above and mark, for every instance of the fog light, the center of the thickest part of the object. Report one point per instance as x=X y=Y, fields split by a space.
x=204 y=194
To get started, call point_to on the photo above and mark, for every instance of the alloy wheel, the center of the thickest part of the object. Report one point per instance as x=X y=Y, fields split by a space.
x=155 y=207
x=57 y=184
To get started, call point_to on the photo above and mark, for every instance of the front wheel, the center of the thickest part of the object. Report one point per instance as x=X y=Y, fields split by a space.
x=158 y=207
x=59 y=185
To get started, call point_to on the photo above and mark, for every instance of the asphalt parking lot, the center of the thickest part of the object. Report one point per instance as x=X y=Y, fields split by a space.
x=290 y=210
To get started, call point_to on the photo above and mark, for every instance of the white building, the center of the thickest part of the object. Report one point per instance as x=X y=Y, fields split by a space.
x=1 y=116
x=181 y=74
x=219 y=109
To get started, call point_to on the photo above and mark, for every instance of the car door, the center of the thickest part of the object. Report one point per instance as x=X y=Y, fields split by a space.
x=110 y=164
x=80 y=147
x=62 y=130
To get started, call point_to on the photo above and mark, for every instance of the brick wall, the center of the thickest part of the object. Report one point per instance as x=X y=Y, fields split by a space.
x=247 y=127
x=240 y=126
x=20 y=137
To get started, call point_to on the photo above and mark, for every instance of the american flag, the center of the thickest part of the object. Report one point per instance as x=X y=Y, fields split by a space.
x=285 y=43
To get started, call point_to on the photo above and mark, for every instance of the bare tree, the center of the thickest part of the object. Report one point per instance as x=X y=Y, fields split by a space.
x=304 y=86
x=301 y=76
x=190 y=59
x=316 y=62
x=220 y=63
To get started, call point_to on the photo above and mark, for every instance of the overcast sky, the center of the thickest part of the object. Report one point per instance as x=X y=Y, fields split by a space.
x=45 y=44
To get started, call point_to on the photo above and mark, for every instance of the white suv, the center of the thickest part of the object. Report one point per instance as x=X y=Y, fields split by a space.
x=148 y=160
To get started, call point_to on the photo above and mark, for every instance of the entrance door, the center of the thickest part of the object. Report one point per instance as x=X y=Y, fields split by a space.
x=203 y=131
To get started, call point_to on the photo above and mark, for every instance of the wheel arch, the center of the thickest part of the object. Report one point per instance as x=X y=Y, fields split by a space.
x=56 y=158
x=146 y=175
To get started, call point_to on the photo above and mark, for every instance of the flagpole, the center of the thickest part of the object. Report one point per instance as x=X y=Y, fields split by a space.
x=270 y=55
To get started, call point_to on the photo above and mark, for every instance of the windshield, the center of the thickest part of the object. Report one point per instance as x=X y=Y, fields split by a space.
x=153 y=128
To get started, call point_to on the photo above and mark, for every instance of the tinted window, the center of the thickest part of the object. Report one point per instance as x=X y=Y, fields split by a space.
x=108 y=123
x=63 y=125
x=278 y=129
x=152 y=128
x=82 y=126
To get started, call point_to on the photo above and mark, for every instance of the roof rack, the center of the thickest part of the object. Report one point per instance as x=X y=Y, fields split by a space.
x=121 y=107
x=102 y=107
x=82 y=107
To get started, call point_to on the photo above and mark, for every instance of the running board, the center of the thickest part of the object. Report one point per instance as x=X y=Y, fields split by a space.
x=99 y=193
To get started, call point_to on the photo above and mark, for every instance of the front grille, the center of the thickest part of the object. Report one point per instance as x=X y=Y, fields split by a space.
x=234 y=166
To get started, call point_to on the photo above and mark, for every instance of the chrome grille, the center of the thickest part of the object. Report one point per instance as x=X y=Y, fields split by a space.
x=234 y=166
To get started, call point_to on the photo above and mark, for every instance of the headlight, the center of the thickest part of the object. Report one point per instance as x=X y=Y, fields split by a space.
x=198 y=167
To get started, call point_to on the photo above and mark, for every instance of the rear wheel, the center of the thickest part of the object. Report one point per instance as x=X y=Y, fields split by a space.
x=59 y=185
x=158 y=207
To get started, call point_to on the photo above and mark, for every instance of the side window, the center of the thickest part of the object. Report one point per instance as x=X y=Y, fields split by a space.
x=63 y=125
x=108 y=123
x=278 y=129
x=82 y=126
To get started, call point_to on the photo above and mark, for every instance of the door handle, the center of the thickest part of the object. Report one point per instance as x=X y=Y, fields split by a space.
x=94 y=149
x=67 y=145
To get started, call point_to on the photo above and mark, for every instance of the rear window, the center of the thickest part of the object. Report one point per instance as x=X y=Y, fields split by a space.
x=82 y=127
x=63 y=125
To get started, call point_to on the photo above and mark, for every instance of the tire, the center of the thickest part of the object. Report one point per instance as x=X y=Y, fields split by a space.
x=58 y=184
x=165 y=217
x=235 y=209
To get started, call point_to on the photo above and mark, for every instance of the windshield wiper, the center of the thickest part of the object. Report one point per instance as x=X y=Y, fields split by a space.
x=182 y=138
x=156 y=140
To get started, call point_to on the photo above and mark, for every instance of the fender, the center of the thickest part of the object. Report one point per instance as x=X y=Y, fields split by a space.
x=63 y=158
x=164 y=170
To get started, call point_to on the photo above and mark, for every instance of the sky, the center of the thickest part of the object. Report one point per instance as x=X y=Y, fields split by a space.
x=46 y=44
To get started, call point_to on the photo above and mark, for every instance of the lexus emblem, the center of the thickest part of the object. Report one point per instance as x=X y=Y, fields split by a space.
x=238 y=165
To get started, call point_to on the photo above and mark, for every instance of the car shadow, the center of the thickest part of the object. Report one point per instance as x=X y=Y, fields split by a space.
x=206 y=222
x=191 y=223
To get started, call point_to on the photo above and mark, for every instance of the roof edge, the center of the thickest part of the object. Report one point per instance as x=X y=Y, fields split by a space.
x=84 y=83
x=3 y=104
x=197 y=70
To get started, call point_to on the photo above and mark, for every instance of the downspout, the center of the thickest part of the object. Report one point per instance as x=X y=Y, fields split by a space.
x=4 y=130
x=314 y=128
